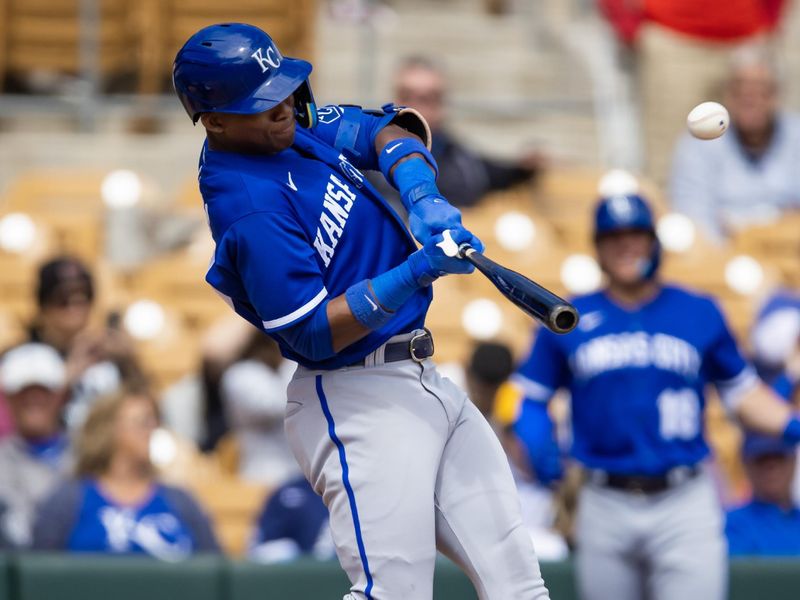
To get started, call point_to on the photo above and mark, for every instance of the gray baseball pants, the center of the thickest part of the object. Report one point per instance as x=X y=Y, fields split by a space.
x=665 y=546
x=406 y=464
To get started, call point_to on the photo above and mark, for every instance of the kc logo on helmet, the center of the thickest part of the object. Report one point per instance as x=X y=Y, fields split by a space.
x=622 y=209
x=271 y=59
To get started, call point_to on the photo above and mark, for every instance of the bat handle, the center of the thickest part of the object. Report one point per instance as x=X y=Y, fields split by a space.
x=464 y=250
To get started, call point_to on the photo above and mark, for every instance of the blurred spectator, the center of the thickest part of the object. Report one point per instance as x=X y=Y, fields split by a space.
x=254 y=395
x=294 y=523
x=776 y=343
x=682 y=48
x=115 y=503
x=97 y=361
x=754 y=164
x=770 y=524
x=32 y=377
x=464 y=176
x=193 y=406
x=490 y=364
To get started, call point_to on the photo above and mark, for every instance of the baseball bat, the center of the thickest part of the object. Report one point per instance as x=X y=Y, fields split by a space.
x=555 y=313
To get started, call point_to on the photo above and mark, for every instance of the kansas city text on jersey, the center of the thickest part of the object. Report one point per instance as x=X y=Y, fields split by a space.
x=636 y=349
x=336 y=207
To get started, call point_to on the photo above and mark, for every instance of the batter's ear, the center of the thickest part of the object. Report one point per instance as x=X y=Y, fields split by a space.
x=412 y=120
x=212 y=122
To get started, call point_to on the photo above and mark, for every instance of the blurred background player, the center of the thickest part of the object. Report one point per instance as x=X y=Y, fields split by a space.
x=769 y=525
x=649 y=524
x=754 y=164
x=465 y=176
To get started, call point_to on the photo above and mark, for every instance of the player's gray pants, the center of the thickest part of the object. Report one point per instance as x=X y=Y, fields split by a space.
x=666 y=546
x=405 y=463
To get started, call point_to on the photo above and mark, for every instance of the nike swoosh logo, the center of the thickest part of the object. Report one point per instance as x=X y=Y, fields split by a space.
x=291 y=183
x=371 y=303
x=393 y=148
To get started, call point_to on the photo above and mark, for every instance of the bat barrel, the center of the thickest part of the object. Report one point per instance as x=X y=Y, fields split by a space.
x=552 y=311
x=562 y=318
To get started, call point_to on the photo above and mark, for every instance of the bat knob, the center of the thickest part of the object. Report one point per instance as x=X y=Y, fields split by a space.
x=563 y=318
x=448 y=244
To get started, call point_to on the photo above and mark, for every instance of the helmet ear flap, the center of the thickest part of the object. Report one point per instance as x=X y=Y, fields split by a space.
x=305 y=109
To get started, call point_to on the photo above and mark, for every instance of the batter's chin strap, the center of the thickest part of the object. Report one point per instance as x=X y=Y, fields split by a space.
x=412 y=121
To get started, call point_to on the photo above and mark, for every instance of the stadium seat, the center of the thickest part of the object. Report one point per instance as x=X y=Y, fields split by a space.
x=167 y=24
x=232 y=503
x=49 y=36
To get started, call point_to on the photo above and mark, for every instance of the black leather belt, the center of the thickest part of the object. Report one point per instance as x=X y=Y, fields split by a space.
x=418 y=348
x=645 y=484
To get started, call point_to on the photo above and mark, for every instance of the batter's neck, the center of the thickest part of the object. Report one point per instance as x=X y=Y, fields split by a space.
x=633 y=294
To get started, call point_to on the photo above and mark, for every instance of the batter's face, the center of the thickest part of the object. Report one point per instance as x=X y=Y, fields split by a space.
x=624 y=255
x=268 y=132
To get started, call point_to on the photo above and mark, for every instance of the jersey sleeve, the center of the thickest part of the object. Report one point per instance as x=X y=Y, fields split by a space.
x=544 y=370
x=352 y=130
x=275 y=264
x=724 y=364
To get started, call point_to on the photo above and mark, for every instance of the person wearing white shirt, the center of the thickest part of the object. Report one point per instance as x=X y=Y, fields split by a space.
x=254 y=398
x=749 y=175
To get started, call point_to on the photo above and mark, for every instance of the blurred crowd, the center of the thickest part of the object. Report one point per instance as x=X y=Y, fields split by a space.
x=83 y=431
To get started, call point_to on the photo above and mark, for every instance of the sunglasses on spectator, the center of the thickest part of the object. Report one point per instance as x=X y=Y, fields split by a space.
x=69 y=300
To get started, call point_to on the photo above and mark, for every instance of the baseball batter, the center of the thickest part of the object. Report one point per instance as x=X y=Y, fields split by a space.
x=649 y=524
x=309 y=253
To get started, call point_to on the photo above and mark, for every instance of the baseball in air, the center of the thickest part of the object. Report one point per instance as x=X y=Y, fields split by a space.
x=708 y=120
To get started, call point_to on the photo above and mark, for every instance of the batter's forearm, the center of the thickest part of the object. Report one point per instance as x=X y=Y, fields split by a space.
x=761 y=410
x=345 y=328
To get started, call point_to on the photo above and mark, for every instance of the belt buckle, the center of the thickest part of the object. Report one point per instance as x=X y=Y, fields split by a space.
x=411 y=342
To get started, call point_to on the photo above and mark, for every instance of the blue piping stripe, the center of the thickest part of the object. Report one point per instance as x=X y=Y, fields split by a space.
x=348 y=488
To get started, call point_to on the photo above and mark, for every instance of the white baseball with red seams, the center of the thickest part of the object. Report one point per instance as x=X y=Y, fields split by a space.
x=708 y=120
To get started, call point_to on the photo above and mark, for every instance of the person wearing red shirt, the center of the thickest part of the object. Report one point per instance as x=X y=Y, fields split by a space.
x=682 y=50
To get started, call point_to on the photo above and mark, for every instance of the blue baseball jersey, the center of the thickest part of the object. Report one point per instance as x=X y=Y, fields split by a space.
x=153 y=527
x=297 y=227
x=762 y=529
x=636 y=377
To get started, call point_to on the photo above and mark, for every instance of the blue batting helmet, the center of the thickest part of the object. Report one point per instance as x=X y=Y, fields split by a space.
x=628 y=211
x=237 y=68
x=622 y=212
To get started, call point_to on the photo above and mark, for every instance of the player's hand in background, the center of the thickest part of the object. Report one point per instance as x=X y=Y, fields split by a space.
x=431 y=215
x=434 y=260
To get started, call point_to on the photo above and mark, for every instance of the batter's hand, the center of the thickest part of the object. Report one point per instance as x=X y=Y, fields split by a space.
x=434 y=260
x=431 y=215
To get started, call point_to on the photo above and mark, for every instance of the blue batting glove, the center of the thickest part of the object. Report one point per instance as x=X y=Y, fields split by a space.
x=430 y=215
x=439 y=257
